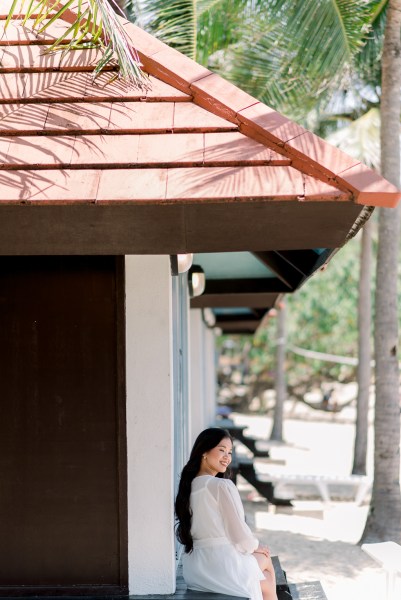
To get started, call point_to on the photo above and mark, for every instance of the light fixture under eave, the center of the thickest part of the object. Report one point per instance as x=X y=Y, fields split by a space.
x=196 y=281
x=184 y=262
x=180 y=263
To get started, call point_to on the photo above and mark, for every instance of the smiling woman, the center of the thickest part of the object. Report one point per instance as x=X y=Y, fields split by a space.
x=218 y=459
x=221 y=553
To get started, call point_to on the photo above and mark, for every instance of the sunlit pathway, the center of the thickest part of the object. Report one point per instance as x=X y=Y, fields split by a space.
x=314 y=541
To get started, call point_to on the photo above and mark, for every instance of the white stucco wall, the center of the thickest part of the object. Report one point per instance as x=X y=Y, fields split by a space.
x=210 y=374
x=151 y=554
x=202 y=374
x=197 y=374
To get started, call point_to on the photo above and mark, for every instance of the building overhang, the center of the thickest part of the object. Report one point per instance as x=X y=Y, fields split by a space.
x=242 y=287
x=193 y=164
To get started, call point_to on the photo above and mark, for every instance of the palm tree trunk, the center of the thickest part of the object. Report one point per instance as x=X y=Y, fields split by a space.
x=280 y=380
x=364 y=352
x=384 y=519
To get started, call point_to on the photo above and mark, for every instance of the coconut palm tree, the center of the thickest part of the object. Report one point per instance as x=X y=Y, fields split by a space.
x=384 y=519
x=361 y=138
x=280 y=374
x=364 y=352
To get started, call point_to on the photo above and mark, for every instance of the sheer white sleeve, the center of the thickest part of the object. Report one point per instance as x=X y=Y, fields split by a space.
x=232 y=511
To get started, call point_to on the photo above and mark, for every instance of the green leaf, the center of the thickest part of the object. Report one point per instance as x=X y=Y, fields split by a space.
x=96 y=25
x=50 y=20
x=197 y=28
x=294 y=51
x=11 y=13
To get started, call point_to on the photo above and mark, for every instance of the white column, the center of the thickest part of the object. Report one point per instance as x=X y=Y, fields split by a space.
x=210 y=373
x=151 y=554
x=197 y=379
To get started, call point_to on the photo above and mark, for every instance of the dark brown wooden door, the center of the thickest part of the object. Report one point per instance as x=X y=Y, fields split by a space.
x=62 y=427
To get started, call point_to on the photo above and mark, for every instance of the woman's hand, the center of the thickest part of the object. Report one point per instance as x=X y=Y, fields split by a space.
x=263 y=550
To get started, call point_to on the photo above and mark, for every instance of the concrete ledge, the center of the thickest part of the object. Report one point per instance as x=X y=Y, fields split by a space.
x=311 y=590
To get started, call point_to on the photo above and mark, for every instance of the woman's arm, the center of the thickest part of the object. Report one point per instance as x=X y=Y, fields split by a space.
x=232 y=512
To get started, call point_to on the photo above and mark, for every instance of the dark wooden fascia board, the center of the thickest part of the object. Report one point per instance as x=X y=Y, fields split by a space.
x=245 y=286
x=258 y=301
x=239 y=327
x=236 y=318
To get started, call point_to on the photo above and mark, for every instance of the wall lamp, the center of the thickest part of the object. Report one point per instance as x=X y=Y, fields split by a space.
x=180 y=263
x=196 y=281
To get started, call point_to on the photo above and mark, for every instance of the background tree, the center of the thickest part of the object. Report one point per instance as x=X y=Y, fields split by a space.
x=364 y=371
x=321 y=317
x=201 y=29
x=361 y=138
x=280 y=384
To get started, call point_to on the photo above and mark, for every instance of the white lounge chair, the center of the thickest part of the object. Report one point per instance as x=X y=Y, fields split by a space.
x=361 y=483
x=388 y=555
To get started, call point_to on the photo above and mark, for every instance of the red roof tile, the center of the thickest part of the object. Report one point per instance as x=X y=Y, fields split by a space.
x=123 y=185
x=191 y=138
x=104 y=150
x=38 y=151
x=234 y=146
x=22 y=119
x=4 y=149
x=235 y=183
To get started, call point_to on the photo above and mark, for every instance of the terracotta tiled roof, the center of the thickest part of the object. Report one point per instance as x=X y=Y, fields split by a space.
x=191 y=139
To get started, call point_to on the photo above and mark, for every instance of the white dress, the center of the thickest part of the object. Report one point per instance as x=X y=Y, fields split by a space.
x=221 y=560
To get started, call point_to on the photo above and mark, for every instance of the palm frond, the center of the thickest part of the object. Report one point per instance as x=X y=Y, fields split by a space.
x=293 y=51
x=323 y=34
x=197 y=28
x=368 y=61
x=219 y=27
x=172 y=22
x=94 y=24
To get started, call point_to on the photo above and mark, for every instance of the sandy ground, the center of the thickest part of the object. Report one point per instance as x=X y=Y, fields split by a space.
x=315 y=541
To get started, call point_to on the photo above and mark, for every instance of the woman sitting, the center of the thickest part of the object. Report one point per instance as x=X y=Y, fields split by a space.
x=221 y=553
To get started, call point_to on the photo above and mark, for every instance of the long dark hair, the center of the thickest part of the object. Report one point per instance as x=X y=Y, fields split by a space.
x=208 y=439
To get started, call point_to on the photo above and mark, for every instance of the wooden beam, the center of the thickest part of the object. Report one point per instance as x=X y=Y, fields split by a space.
x=257 y=300
x=245 y=286
x=285 y=270
x=245 y=326
x=147 y=227
x=306 y=260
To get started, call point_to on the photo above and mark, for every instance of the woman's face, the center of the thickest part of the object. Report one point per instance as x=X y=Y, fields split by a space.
x=218 y=459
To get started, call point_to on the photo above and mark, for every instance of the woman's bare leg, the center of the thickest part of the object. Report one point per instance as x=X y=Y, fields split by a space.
x=268 y=585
